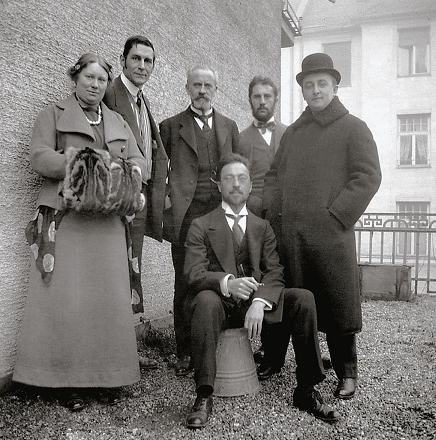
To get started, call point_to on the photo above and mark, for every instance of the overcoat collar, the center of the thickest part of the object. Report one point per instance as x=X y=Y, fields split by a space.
x=220 y=237
x=331 y=113
x=72 y=120
x=188 y=134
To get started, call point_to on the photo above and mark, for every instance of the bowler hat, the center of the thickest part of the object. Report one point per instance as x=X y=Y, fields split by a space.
x=317 y=63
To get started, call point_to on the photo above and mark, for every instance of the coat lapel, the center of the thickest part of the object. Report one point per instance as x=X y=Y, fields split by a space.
x=187 y=132
x=124 y=108
x=112 y=126
x=221 y=240
x=254 y=246
x=221 y=131
x=72 y=119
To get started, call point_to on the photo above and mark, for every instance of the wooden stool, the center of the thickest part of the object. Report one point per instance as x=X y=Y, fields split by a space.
x=235 y=367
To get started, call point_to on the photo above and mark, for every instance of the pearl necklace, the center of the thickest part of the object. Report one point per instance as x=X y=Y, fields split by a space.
x=97 y=122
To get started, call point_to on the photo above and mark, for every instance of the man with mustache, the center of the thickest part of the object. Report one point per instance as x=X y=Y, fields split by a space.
x=125 y=96
x=235 y=280
x=195 y=140
x=260 y=141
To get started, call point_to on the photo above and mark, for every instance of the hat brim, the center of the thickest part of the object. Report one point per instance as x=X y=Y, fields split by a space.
x=333 y=72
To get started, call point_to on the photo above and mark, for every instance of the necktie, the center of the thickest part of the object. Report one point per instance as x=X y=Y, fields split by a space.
x=236 y=229
x=266 y=125
x=145 y=129
x=204 y=119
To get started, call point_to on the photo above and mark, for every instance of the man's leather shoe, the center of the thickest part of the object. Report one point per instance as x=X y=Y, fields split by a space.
x=310 y=400
x=326 y=363
x=147 y=363
x=183 y=366
x=346 y=388
x=264 y=372
x=200 y=412
x=258 y=355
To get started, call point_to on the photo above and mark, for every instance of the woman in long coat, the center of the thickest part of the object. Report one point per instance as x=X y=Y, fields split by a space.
x=323 y=177
x=77 y=329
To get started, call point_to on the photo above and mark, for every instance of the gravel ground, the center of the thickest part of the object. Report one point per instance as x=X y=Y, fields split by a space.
x=396 y=397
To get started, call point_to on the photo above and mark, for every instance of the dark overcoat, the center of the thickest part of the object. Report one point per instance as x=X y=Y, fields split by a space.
x=323 y=177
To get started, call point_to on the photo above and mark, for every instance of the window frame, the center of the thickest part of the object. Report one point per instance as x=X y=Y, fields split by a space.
x=410 y=50
x=412 y=119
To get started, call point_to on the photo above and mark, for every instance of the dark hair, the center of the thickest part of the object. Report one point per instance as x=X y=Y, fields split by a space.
x=85 y=60
x=232 y=158
x=135 y=40
x=259 y=79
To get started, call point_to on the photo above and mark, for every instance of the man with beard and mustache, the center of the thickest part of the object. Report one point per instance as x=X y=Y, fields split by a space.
x=195 y=140
x=260 y=141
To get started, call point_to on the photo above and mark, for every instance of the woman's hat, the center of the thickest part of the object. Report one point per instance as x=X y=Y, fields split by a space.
x=316 y=63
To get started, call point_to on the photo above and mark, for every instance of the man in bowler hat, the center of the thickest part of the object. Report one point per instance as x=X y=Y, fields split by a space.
x=324 y=175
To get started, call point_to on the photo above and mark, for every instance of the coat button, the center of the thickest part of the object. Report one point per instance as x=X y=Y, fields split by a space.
x=123 y=148
x=279 y=214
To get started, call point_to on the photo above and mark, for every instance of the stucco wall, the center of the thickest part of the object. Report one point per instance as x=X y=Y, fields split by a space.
x=40 y=39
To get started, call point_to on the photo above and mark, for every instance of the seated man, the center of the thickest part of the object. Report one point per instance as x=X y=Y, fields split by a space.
x=235 y=279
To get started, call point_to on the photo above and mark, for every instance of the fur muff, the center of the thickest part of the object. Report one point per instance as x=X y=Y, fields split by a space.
x=96 y=183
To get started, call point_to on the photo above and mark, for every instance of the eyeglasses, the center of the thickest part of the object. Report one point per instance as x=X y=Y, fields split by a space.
x=230 y=179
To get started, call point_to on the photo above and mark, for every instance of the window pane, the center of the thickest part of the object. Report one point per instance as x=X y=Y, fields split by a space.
x=404 y=61
x=406 y=150
x=340 y=53
x=421 y=150
x=420 y=59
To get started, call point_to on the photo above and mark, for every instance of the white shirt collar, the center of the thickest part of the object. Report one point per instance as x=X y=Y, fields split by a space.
x=129 y=85
x=256 y=122
x=199 y=112
x=229 y=210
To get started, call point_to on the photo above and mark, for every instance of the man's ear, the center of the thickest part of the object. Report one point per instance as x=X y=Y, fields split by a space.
x=219 y=186
x=122 y=61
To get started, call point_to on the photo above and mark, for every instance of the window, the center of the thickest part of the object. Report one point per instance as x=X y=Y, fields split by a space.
x=413 y=215
x=414 y=52
x=340 y=53
x=414 y=135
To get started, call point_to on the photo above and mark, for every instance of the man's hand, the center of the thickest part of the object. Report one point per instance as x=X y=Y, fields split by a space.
x=254 y=319
x=242 y=287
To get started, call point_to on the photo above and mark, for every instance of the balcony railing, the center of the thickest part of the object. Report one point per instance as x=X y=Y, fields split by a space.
x=291 y=18
x=403 y=239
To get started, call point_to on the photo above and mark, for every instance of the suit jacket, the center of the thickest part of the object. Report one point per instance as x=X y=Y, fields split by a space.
x=259 y=163
x=178 y=137
x=117 y=99
x=247 y=137
x=63 y=125
x=210 y=257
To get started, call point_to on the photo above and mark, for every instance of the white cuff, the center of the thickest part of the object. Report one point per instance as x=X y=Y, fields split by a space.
x=268 y=304
x=223 y=285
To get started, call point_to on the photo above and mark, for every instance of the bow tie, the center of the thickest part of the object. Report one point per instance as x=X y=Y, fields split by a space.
x=263 y=126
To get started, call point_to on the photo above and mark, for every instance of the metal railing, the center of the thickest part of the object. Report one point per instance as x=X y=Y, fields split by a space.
x=400 y=238
x=291 y=17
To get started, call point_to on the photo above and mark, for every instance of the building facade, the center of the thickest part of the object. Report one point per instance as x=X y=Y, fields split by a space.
x=385 y=51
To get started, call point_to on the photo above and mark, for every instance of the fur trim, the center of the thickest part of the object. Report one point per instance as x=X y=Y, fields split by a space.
x=96 y=183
